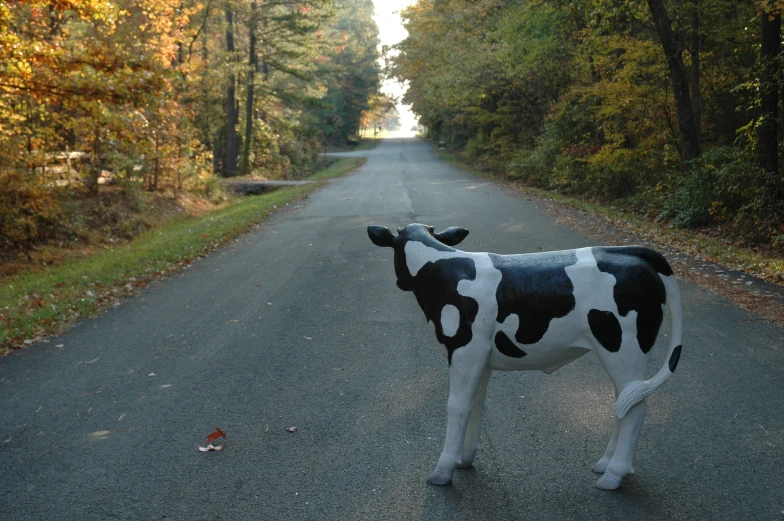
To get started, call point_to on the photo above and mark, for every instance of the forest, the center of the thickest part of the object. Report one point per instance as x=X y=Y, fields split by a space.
x=666 y=108
x=106 y=104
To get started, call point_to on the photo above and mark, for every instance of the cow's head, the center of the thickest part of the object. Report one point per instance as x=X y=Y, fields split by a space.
x=381 y=236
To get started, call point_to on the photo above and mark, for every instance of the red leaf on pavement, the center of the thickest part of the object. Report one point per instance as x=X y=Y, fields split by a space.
x=215 y=435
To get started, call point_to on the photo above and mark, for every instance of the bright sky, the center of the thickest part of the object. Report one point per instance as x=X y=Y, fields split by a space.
x=391 y=32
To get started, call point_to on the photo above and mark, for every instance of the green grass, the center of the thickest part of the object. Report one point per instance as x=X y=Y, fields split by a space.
x=768 y=267
x=36 y=305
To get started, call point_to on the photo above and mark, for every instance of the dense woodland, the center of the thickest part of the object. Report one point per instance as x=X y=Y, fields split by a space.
x=666 y=107
x=119 y=99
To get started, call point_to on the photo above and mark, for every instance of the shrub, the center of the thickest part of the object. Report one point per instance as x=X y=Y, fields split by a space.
x=536 y=166
x=473 y=148
x=28 y=210
x=723 y=185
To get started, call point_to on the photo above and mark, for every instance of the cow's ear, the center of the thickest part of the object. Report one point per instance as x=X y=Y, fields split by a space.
x=381 y=236
x=451 y=236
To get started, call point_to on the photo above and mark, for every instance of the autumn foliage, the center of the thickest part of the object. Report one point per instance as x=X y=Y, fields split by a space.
x=135 y=94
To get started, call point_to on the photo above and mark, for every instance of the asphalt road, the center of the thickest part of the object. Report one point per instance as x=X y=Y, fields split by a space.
x=300 y=324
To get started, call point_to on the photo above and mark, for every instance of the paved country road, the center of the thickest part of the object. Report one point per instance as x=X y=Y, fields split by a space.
x=300 y=324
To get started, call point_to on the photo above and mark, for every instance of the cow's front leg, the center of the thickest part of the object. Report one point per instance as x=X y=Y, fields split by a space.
x=471 y=442
x=464 y=377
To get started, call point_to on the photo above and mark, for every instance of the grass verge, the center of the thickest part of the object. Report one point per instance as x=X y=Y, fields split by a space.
x=765 y=266
x=36 y=305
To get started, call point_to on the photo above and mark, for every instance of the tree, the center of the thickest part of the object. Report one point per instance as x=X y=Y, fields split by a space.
x=351 y=72
x=249 y=97
x=679 y=79
x=769 y=89
x=230 y=163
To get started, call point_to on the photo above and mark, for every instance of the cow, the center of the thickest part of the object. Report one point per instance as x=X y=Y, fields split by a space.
x=538 y=311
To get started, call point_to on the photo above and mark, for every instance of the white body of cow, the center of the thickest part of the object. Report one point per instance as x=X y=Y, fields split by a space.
x=469 y=302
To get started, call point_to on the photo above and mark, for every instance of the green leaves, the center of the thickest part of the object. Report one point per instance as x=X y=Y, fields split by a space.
x=578 y=96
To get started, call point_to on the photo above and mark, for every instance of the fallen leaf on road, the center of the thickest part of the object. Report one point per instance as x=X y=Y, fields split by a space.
x=215 y=435
x=291 y=429
x=212 y=437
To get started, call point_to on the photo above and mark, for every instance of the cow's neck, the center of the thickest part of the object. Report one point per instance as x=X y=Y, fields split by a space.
x=419 y=253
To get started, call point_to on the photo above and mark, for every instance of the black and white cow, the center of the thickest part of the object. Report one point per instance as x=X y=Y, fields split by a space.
x=538 y=311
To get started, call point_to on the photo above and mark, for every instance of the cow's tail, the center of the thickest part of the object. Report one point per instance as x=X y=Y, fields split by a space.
x=635 y=392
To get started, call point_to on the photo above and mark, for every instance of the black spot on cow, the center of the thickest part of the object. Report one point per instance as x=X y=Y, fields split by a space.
x=536 y=288
x=435 y=286
x=417 y=233
x=674 y=357
x=638 y=286
x=606 y=328
x=506 y=347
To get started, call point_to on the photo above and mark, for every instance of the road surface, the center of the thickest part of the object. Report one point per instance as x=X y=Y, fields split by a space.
x=299 y=324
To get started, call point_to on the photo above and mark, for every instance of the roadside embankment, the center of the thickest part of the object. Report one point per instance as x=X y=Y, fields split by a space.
x=39 y=304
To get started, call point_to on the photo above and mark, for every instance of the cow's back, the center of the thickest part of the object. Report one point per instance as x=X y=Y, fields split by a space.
x=536 y=288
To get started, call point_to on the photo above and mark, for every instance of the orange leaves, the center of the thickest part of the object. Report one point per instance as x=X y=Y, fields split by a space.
x=212 y=437
x=215 y=435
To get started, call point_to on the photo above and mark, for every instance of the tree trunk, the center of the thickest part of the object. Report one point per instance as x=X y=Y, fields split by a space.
x=767 y=132
x=230 y=164
x=157 y=170
x=688 y=132
x=696 y=47
x=94 y=172
x=252 y=65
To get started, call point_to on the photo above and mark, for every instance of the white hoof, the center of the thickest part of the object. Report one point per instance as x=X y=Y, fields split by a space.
x=601 y=465
x=439 y=478
x=466 y=463
x=608 y=482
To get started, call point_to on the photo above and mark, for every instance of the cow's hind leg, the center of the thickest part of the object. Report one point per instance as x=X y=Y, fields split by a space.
x=623 y=457
x=465 y=373
x=471 y=442
x=626 y=366
x=601 y=466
